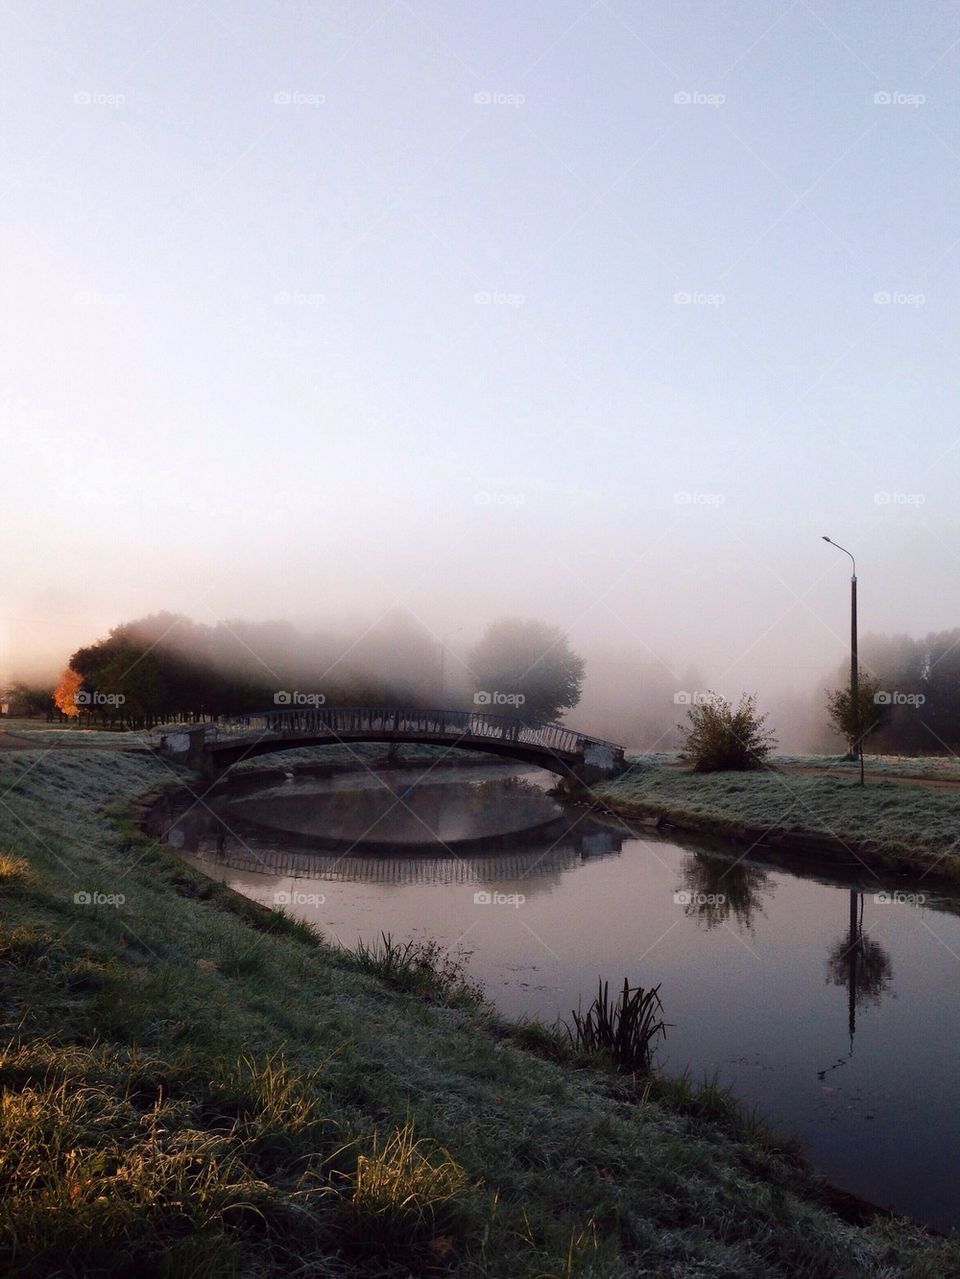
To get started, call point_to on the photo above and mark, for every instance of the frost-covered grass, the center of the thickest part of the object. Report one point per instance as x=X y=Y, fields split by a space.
x=885 y=819
x=43 y=733
x=194 y=1085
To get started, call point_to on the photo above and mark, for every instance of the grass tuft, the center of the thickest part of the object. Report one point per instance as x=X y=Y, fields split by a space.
x=12 y=867
x=407 y=1192
x=624 y=1031
x=421 y=968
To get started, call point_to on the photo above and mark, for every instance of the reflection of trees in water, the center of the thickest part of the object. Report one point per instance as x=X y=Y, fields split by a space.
x=722 y=889
x=860 y=963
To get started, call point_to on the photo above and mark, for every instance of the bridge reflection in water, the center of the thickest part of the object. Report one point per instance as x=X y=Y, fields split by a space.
x=407 y=868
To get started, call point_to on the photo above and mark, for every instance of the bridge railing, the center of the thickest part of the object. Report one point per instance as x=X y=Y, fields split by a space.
x=394 y=722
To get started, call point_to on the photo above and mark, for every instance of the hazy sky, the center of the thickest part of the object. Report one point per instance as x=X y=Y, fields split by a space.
x=598 y=311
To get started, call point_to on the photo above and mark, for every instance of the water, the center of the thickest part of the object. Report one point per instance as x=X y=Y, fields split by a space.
x=835 y=1014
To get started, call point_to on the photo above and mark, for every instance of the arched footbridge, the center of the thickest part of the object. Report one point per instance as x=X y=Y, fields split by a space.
x=214 y=746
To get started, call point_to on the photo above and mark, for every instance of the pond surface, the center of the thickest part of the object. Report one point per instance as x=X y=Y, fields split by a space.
x=835 y=1013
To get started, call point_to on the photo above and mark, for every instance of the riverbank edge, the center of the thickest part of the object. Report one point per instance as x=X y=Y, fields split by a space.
x=903 y=862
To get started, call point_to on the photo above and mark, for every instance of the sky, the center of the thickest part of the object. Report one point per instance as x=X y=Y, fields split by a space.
x=592 y=310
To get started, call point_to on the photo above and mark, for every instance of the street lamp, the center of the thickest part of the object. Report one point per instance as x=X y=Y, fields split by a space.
x=854 y=662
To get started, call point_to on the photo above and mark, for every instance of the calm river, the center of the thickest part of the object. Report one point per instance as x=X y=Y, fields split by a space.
x=832 y=1011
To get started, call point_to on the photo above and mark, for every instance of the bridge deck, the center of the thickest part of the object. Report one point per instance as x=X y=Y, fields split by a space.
x=553 y=746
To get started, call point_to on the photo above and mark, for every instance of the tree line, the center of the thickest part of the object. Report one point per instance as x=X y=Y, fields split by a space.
x=909 y=695
x=167 y=668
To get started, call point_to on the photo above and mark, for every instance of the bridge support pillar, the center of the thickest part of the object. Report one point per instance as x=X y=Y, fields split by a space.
x=189 y=747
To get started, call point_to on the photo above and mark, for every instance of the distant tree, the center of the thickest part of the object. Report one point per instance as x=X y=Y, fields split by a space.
x=856 y=720
x=525 y=659
x=65 y=694
x=939 y=715
x=29 y=699
x=719 y=737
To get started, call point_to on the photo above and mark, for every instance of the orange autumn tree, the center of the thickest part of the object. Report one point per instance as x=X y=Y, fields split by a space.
x=65 y=694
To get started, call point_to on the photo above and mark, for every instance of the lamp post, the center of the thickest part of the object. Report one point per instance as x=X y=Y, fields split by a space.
x=854 y=662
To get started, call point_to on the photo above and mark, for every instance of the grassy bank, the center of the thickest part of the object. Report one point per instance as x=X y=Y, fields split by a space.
x=195 y=1086
x=909 y=828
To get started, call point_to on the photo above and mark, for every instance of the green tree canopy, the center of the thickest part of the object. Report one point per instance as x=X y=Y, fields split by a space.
x=527 y=668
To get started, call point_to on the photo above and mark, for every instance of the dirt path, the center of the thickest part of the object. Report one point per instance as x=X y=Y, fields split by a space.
x=851 y=774
x=871 y=777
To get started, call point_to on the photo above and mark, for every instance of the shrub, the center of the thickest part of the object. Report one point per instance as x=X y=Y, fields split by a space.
x=853 y=718
x=719 y=737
